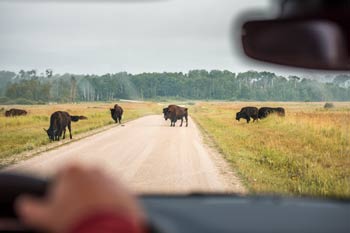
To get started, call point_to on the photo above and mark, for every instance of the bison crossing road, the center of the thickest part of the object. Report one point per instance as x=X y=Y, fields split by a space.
x=174 y=113
x=255 y=113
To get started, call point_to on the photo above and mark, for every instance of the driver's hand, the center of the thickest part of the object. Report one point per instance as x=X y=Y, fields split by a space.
x=77 y=193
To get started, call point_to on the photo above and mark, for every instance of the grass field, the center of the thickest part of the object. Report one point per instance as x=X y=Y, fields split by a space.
x=305 y=153
x=19 y=134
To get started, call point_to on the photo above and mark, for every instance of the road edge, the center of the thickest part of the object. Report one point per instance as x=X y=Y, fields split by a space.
x=16 y=158
x=231 y=177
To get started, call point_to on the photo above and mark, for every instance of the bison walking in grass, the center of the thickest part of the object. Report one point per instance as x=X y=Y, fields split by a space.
x=247 y=113
x=117 y=113
x=59 y=121
x=174 y=113
x=265 y=111
x=15 y=112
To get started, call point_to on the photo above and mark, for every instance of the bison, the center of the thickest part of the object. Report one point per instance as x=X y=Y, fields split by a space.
x=117 y=113
x=174 y=113
x=247 y=113
x=265 y=111
x=15 y=112
x=58 y=122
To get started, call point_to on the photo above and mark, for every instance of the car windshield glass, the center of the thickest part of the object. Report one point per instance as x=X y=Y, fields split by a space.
x=159 y=94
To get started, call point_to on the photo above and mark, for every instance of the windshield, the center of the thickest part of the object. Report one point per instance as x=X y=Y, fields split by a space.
x=158 y=94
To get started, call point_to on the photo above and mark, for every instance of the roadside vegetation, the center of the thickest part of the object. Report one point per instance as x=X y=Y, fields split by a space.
x=305 y=153
x=25 y=133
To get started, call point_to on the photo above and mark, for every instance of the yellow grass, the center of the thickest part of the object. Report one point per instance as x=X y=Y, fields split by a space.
x=25 y=133
x=305 y=153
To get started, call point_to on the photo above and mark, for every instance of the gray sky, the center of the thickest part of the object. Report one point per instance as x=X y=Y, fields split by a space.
x=171 y=35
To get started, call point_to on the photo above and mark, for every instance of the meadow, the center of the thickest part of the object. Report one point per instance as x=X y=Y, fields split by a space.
x=25 y=133
x=307 y=152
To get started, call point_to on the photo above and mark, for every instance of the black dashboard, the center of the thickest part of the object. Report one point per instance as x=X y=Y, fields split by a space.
x=227 y=214
x=201 y=213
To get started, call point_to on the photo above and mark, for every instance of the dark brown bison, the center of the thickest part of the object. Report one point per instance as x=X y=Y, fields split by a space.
x=265 y=111
x=247 y=113
x=15 y=112
x=174 y=113
x=117 y=113
x=58 y=123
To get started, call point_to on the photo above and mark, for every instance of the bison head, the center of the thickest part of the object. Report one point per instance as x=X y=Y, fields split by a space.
x=165 y=112
x=51 y=134
x=238 y=116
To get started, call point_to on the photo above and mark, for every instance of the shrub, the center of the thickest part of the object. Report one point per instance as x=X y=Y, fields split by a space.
x=328 y=105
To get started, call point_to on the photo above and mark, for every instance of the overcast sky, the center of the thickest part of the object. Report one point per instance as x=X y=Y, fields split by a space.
x=85 y=37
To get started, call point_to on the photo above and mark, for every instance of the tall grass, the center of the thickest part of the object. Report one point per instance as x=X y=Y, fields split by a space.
x=305 y=153
x=24 y=133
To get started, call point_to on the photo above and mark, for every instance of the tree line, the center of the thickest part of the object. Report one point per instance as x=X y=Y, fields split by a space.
x=195 y=85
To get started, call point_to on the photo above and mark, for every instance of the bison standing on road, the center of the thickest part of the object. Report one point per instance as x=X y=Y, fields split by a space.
x=265 y=111
x=247 y=113
x=174 y=113
x=117 y=113
x=58 y=123
x=15 y=112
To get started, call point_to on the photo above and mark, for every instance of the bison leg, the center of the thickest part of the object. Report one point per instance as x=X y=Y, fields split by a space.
x=70 y=130
x=182 y=120
x=64 y=133
x=248 y=120
x=186 y=121
x=173 y=121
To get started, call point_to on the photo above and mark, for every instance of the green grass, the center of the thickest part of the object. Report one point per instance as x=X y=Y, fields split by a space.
x=305 y=153
x=25 y=133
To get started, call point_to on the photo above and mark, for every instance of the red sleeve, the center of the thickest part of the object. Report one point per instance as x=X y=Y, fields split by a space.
x=107 y=223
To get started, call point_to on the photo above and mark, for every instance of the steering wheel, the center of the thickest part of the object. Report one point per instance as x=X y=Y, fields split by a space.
x=11 y=186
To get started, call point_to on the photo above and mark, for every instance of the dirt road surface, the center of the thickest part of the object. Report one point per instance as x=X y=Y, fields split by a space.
x=147 y=155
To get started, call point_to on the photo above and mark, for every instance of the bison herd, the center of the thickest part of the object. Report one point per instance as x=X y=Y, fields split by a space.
x=60 y=120
x=253 y=112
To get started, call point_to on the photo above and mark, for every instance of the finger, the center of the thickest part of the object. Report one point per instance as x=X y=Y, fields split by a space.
x=71 y=170
x=33 y=212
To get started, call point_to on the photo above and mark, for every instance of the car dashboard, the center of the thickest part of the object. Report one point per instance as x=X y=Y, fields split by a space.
x=227 y=214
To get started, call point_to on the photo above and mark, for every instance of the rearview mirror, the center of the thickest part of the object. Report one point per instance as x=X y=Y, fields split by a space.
x=316 y=44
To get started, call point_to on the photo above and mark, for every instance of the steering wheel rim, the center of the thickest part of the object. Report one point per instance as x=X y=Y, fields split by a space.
x=13 y=185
